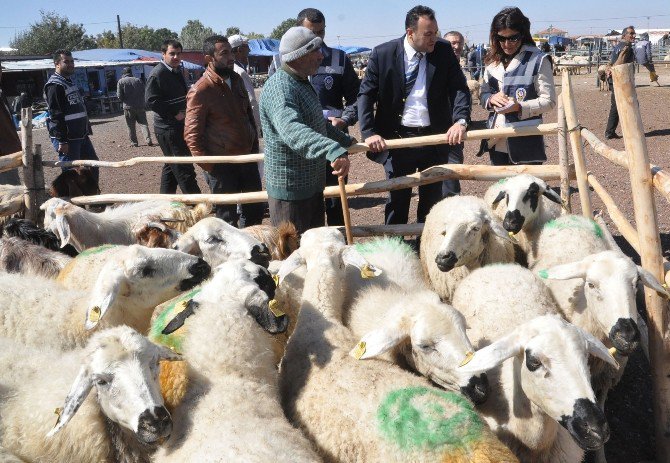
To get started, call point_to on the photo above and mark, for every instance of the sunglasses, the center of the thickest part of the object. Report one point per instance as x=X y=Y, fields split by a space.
x=512 y=38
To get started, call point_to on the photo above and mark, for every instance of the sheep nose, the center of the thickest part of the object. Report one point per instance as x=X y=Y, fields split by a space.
x=625 y=336
x=200 y=269
x=260 y=255
x=513 y=221
x=477 y=389
x=587 y=424
x=154 y=425
x=446 y=261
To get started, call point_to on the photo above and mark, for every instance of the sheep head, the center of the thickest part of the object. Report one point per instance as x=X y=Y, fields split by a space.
x=122 y=366
x=551 y=356
x=609 y=284
x=217 y=241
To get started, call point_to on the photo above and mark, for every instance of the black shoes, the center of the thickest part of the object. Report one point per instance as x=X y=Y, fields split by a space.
x=612 y=136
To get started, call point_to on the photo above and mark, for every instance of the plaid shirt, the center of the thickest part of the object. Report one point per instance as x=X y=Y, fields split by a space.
x=298 y=139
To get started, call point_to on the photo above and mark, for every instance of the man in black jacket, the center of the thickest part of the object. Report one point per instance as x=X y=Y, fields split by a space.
x=624 y=48
x=165 y=95
x=419 y=89
x=9 y=139
x=68 y=123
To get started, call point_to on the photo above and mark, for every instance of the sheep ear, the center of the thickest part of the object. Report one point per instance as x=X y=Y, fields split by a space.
x=187 y=244
x=351 y=256
x=78 y=392
x=566 y=271
x=292 y=262
x=179 y=319
x=377 y=342
x=498 y=229
x=551 y=195
x=167 y=354
x=597 y=348
x=500 y=197
x=651 y=282
x=110 y=282
x=492 y=355
x=62 y=229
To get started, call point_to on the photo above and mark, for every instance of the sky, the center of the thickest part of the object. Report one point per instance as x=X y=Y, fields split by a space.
x=348 y=22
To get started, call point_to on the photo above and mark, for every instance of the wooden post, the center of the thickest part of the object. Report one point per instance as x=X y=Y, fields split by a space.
x=30 y=201
x=650 y=247
x=563 y=159
x=576 y=143
x=38 y=179
x=345 y=209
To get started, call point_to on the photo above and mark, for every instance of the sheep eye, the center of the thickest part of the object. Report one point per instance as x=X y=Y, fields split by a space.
x=532 y=362
x=101 y=382
x=148 y=272
x=591 y=285
x=213 y=240
x=475 y=229
x=444 y=233
x=427 y=347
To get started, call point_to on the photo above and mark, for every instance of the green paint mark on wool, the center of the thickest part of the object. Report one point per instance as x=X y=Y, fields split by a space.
x=175 y=339
x=176 y=204
x=383 y=244
x=502 y=180
x=425 y=418
x=568 y=222
x=97 y=250
x=543 y=274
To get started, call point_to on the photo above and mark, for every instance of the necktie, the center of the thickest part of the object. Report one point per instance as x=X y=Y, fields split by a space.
x=412 y=73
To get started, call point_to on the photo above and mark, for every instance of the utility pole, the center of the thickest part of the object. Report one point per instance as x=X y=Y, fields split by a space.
x=118 y=26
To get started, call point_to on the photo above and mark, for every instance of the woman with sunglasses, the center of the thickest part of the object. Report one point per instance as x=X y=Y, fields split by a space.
x=518 y=88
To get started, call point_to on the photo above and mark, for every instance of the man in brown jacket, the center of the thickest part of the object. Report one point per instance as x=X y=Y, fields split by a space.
x=9 y=139
x=219 y=122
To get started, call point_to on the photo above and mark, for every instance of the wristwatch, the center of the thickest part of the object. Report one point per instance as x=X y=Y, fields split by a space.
x=463 y=122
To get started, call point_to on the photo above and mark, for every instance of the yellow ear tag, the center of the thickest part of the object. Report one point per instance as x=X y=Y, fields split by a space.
x=94 y=314
x=367 y=272
x=58 y=412
x=275 y=277
x=468 y=356
x=274 y=308
x=612 y=351
x=358 y=351
x=182 y=305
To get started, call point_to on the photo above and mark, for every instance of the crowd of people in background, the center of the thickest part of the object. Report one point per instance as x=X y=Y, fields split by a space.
x=413 y=86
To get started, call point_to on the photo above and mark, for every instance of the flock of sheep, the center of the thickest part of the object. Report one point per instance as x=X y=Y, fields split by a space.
x=170 y=336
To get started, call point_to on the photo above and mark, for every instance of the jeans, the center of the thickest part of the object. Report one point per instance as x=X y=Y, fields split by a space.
x=78 y=150
x=137 y=116
x=304 y=213
x=236 y=178
x=405 y=161
x=452 y=186
x=172 y=143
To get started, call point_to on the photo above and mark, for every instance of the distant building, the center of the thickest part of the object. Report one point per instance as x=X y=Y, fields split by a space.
x=550 y=32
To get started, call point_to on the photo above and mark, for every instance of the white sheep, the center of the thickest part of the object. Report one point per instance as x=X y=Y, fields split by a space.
x=11 y=199
x=124 y=420
x=461 y=234
x=39 y=311
x=20 y=256
x=537 y=366
x=217 y=241
x=524 y=203
x=231 y=409
x=369 y=410
x=117 y=225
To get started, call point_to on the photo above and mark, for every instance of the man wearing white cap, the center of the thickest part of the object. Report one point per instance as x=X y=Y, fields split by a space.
x=297 y=136
x=240 y=46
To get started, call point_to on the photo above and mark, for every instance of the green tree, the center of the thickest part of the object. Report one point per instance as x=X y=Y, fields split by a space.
x=193 y=34
x=49 y=34
x=107 y=40
x=280 y=30
x=255 y=35
x=145 y=37
x=232 y=30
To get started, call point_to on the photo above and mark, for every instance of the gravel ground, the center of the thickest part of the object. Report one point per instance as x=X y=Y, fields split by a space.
x=629 y=406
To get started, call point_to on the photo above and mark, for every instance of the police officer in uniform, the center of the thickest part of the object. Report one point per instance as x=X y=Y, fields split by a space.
x=68 y=124
x=336 y=83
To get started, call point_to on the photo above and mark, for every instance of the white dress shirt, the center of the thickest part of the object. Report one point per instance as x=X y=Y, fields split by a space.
x=415 y=113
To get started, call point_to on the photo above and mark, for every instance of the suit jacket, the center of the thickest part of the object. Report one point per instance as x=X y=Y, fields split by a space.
x=384 y=85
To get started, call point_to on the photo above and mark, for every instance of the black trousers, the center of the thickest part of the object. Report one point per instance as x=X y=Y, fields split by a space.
x=405 y=161
x=172 y=143
x=613 y=119
x=498 y=158
x=334 y=214
x=304 y=213
x=237 y=178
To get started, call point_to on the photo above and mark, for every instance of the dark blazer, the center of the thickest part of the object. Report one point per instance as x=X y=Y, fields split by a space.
x=384 y=84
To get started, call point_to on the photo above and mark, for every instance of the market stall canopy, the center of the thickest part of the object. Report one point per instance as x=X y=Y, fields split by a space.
x=353 y=50
x=263 y=47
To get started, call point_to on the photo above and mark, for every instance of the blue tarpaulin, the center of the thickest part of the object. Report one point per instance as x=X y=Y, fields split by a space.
x=123 y=55
x=263 y=47
x=353 y=50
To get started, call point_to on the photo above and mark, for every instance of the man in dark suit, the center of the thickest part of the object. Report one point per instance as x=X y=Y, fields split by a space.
x=419 y=89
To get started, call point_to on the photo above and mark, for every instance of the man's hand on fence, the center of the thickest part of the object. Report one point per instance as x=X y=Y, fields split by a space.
x=456 y=134
x=181 y=115
x=63 y=148
x=376 y=143
x=340 y=166
x=337 y=122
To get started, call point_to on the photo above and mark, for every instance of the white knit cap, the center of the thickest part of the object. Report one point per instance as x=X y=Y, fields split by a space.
x=297 y=42
x=236 y=40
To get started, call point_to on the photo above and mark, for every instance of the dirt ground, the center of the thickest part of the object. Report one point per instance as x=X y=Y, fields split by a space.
x=629 y=408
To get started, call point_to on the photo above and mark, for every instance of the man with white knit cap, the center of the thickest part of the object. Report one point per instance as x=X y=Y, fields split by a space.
x=240 y=47
x=297 y=137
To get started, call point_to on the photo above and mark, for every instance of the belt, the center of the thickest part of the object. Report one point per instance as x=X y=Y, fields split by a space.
x=404 y=132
